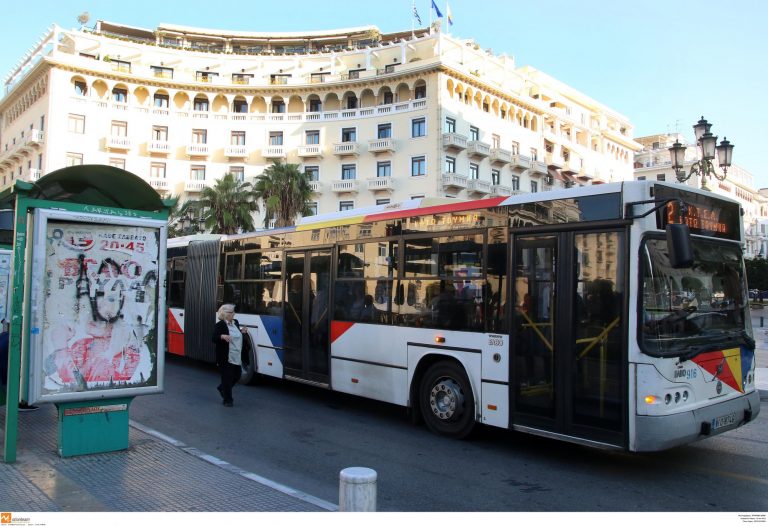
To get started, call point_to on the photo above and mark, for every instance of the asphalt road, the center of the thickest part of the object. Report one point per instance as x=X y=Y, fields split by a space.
x=302 y=437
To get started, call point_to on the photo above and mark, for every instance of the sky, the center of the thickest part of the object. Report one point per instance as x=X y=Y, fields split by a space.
x=662 y=63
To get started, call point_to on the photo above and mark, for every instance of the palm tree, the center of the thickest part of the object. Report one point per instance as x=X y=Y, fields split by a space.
x=227 y=206
x=285 y=191
x=185 y=219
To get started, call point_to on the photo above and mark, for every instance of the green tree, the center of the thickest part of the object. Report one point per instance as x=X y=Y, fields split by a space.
x=185 y=218
x=227 y=206
x=285 y=192
x=757 y=273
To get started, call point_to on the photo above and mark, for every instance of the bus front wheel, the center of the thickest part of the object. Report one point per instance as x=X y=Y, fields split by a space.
x=446 y=400
x=249 y=371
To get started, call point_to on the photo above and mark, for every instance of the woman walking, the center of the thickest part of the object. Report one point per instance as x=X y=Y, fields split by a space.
x=228 y=337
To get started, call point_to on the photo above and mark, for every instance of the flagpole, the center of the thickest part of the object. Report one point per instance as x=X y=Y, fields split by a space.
x=413 y=18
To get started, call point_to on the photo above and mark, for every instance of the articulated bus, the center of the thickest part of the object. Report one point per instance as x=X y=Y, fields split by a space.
x=613 y=315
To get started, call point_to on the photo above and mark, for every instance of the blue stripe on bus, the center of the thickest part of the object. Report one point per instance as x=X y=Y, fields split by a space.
x=273 y=327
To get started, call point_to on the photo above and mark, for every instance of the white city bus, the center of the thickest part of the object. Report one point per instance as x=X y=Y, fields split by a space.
x=614 y=315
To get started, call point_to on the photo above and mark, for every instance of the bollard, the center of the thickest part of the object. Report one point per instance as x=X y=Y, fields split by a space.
x=357 y=489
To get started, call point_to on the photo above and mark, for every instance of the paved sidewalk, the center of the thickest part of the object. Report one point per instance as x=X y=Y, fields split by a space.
x=154 y=474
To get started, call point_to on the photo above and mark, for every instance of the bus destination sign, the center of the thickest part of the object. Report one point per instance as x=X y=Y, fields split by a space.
x=704 y=215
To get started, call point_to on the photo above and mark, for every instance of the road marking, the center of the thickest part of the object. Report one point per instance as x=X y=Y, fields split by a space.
x=234 y=469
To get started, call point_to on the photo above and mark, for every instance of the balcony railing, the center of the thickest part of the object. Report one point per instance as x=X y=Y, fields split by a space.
x=236 y=150
x=160 y=184
x=35 y=174
x=159 y=147
x=572 y=165
x=311 y=150
x=539 y=167
x=118 y=142
x=478 y=186
x=451 y=180
x=273 y=152
x=555 y=161
x=198 y=150
x=520 y=163
x=498 y=190
x=380 y=183
x=501 y=156
x=454 y=141
x=346 y=148
x=194 y=186
x=316 y=186
x=345 y=185
x=478 y=148
x=381 y=145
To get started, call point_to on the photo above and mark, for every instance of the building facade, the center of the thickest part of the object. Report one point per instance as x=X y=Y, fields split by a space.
x=371 y=117
x=654 y=163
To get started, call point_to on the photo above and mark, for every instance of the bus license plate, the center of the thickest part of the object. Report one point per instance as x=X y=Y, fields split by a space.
x=724 y=421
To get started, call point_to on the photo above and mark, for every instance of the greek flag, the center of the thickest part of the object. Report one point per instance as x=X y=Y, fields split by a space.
x=434 y=6
x=416 y=14
x=448 y=12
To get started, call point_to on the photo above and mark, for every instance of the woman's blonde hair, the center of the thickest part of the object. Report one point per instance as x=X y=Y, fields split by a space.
x=227 y=307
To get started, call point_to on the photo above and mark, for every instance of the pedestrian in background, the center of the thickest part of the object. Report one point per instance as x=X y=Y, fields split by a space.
x=228 y=337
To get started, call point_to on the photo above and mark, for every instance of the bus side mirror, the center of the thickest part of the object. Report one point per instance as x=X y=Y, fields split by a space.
x=679 y=245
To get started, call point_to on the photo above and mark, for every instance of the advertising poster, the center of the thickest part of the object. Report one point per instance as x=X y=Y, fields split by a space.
x=96 y=322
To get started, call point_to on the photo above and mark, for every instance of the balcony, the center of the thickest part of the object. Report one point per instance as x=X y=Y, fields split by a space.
x=194 y=186
x=454 y=141
x=273 y=152
x=346 y=148
x=311 y=150
x=118 y=142
x=572 y=165
x=500 y=156
x=539 y=168
x=198 y=150
x=498 y=190
x=35 y=174
x=162 y=147
x=452 y=180
x=236 y=151
x=162 y=184
x=345 y=185
x=35 y=138
x=381 y=145
x=380 y=183
x=316 y=186
x=478 y=149
x=555 y=161
x=477 y=186
x=520 y=163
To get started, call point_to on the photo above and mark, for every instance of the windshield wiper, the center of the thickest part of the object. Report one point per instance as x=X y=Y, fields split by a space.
x=715 y=343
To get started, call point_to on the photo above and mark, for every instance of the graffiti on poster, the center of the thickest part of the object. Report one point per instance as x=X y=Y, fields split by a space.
x=100 y=300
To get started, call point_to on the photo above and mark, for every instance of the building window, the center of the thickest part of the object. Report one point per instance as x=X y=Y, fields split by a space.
x=237 y=138
x=384 y=169
x=315 y=106
x=534 y=154
x=389 y=97
x=205 y=76
x=278 y=106
x=516 y=183
x=450 y=165
x=76 y=123
x=418 y=166
x=279 y=79
x=348 y=172
x=241 y=78
x=238 y=172
x=515 y=148
x=120 y=95
x=159 y=133
x=351 y=102
x=385 y=131
x=312 y=137
x=74 y=159
x=157 y=170
x=81 y=89
x=117 y=163
x=474 y=133
x=197 y=172
x=641 y=178
x=348 y=134
x=534 y=187
x=161 y=72
x=121 y=65
x=276 y=138
x=380 y=202
x=474 y=171
x=420 y=92
x=419 y=127
x=495 y=141
x=450 y=125
x=312 y=173
x=346 y=205
x=200 y=104
x=312 y=208
x=495 y=177
x=200 y=136
x=119 y=129
x=160 y=100
x=240 y=106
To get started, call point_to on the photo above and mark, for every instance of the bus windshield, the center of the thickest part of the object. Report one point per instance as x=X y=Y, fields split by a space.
x=688 y=311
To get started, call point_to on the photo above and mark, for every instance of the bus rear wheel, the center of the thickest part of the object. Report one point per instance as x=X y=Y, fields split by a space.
x=446 y=400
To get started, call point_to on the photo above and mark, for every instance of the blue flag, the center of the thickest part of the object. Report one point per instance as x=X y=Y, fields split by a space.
x=434 y=6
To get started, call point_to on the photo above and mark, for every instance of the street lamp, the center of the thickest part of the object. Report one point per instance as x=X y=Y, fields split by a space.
x=703 y=167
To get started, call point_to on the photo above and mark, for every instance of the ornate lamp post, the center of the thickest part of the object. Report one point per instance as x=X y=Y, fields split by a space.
x=703 y=167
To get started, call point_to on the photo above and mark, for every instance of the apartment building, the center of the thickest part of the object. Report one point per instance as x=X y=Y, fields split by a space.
x=371 y=117
x=653 y=162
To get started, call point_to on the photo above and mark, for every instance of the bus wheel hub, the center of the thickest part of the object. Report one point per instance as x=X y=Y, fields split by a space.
x=446 y=398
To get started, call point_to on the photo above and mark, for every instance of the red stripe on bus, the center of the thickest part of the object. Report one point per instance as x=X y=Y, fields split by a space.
x=437 y=209
x=338 y=328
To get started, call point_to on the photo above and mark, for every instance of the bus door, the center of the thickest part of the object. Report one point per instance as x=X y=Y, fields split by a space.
x=306 y=316
x=569 y=366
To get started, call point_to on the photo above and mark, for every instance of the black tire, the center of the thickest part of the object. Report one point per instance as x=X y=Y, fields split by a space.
x=249 y=373
x=446 y=400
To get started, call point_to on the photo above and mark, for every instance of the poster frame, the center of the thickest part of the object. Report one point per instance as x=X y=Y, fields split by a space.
x=36 y=272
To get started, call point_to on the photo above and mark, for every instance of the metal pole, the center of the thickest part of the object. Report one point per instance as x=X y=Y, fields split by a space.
x=357 y=489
